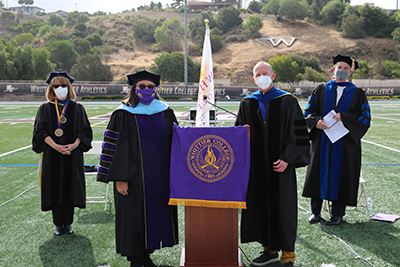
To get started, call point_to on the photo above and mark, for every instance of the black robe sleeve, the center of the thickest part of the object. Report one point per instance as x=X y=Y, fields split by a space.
x=312 y=114
x=119 y=148
x=296 y=144
x=40 y=129
x=83 y=129
x=357 y=120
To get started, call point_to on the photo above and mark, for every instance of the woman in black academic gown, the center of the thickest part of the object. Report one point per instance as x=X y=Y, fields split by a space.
x=62 y=133
x=136 y=157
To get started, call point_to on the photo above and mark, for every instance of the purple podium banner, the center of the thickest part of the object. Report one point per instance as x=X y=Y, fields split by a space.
x=210 y=166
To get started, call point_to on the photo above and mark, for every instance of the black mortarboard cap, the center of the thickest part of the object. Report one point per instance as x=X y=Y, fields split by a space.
x=346 y=59
x=143 y=75
x=59 y=73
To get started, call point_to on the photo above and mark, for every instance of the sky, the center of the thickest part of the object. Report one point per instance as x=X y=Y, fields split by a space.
x=117 y=6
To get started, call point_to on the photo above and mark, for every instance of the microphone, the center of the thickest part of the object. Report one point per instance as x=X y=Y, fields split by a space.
x=205 y=98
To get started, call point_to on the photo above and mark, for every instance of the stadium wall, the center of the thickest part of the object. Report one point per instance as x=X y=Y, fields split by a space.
x=182 y=91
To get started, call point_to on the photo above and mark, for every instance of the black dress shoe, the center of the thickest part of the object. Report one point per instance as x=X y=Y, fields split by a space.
x=68 y=229
x=334 y=220
x=147 y=261
x=59 y=230
x=314 y=218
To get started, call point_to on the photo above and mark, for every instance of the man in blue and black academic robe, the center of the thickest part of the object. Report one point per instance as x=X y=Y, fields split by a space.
x=335 y=167
x=279 y=143
x=136 y=156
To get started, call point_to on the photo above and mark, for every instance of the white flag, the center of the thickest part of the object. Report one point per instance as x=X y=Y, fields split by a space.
x=206 y=86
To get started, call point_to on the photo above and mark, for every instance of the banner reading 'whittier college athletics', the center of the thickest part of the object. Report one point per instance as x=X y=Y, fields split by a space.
x=210 y=166
x=206 y=85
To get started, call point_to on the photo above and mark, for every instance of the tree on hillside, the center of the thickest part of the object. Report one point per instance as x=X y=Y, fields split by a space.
x=272 y=7
x=95 y=39
x=24 y=38
x=144 y=28
x=63 y=54
x=1 y=4
x=392 y=69
x=215 y=38
x=396 y=35
x=294 y=10
x=100 y=13
x=45 y=29
x=332 y=12
x=23 y=63
x=7 y=18
x=317 y=6
x=3 y=65
x=376 y=22
x=90 y=68
x=255 y=6
x=75 y=17
x=55 y=20
x=253 y=24
x=56 y=34
x=169 y=36
x=171 y=67
x=311 y=74
x=32 y=26
x=304 y=62
x=79 y=30
x=362 y=72
x=353 y=27
x=25 y=2
x=82 y=46
x=286 y=70
x=11 y=46
x=43 y=66
x=228 y=17
x=199 y=22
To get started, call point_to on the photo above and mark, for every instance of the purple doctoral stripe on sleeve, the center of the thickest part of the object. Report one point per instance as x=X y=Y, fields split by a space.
x=111 y=134
x=102 y=170
x=106 y=158
x=108 y=146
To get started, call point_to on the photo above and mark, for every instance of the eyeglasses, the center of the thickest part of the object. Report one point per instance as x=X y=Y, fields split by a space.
x=144 y=86
x=58 y=85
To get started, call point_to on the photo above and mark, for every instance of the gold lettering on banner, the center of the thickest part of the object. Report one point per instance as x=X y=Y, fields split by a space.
x=210 y=158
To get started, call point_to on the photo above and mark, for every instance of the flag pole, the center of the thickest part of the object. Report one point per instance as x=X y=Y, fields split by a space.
x=206 y=83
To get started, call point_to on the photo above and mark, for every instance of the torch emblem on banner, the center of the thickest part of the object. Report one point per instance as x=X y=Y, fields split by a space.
x=206 y=84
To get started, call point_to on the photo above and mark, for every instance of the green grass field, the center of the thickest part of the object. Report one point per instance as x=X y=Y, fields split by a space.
x=26 y=233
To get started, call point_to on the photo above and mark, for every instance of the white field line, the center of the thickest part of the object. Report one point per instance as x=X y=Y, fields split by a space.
x=16 y=150
x=22 y=148
x=372 y=143
x=386 y=118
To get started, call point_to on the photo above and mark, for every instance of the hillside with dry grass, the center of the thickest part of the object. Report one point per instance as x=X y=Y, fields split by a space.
x=235 y=60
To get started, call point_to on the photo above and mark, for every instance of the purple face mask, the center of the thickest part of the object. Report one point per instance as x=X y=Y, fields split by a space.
x=146 y=96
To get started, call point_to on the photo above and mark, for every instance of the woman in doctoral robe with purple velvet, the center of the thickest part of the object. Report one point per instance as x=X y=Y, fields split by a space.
x=136 y=157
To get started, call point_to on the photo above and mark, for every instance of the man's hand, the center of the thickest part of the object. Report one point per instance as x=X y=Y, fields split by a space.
x=122 y=188
x=337 y=117
x=280 y=165
x=321 y=124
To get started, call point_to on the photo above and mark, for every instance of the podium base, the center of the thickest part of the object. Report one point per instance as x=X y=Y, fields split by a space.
x=210 y=264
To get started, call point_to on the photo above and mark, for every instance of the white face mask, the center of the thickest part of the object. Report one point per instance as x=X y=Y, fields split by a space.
x=61 y=92
x=263 y=82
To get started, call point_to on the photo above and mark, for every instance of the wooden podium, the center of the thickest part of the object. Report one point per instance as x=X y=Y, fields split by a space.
x=211 y=238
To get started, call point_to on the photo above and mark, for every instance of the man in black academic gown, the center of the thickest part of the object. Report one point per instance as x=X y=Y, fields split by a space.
x=279 y=143
x=335 y=167
x=136 y=156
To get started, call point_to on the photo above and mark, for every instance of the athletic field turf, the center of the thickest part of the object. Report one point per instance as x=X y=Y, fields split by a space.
x=26 y=233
